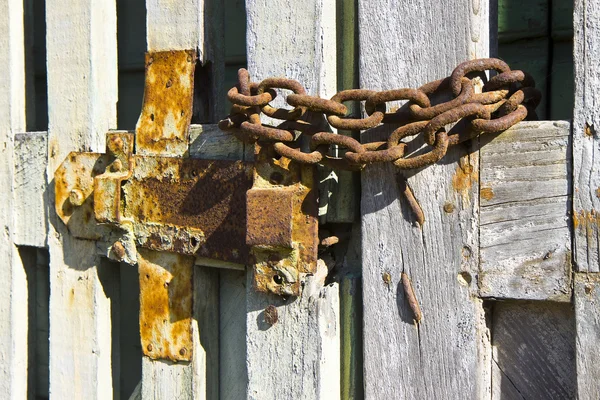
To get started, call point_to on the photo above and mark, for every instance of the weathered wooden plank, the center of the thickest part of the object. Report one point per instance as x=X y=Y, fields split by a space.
x=403 y=359
x=586 y=139
x=587 y=325
x=525 y=238
x=180 y=25
x=82 y=97
x=298 y=357
x=30 y=189
x=13 y=290
x=533 y=350
x=233 y=377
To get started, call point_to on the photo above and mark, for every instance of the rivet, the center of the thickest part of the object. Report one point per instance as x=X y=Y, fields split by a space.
x=116 y=166
x=119 y=250
x=115 y=144
x=76 y=197
x=149 y=347
x=182 y=351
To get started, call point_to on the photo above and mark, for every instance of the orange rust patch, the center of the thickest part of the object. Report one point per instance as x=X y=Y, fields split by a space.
x=167 y=109
x=486 y=193
x=587 y=221
x=589 y=130
x=598 y=193
x=463 y=181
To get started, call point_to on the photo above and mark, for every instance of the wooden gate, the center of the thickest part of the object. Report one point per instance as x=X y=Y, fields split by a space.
x=506 y=269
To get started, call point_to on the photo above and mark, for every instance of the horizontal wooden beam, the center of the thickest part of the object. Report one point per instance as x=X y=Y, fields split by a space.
x=525 y=239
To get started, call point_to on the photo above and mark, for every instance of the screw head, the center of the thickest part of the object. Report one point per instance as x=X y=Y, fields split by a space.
x=116 y=166
x=76 y=197
x=183 y=351
x=149 y=347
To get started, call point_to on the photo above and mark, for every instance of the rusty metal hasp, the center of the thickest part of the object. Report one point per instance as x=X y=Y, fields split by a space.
x=146 y=195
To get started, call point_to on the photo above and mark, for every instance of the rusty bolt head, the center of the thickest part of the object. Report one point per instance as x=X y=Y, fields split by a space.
x=182 y=351
x=115 y=144
x=149 y=347
x=116 y=166
x=449 y=208
x=76 y=197
x=271 y=316
x=119 y=250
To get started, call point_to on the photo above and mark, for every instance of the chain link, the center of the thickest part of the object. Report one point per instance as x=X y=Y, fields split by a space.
x=506 y=99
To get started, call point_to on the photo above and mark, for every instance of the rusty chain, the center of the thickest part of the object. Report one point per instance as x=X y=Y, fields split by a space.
x=506 y=99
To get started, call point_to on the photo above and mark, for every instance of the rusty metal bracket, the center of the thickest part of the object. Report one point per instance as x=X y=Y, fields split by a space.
x=158 y=208
x=282 y=222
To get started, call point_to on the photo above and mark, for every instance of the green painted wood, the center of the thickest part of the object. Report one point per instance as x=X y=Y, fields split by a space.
x=518 y=19
x=530 y=56
x=562 y=84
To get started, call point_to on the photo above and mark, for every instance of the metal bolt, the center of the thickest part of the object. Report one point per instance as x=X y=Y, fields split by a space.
x=116 y=166
x=115 y=144
x=449 y=208
x=149 y=347
x=119 y=250
x=76 y=197
x=182 y=352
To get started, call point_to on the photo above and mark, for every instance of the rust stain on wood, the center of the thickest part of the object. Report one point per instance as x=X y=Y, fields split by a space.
x=166 y=305
x=463 y=180
x=486 y=193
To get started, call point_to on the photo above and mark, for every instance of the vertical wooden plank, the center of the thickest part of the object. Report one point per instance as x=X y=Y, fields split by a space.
x=586 y=136
x=442 y=356
x=13 y=290
x=298 y=357
x=180 y=25
x=587 y=325
x=232 y=335
x=82 y=97
x=30 y=189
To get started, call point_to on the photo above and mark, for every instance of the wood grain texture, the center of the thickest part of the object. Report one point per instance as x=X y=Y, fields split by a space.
x=525 y=238
x=13 y=289
x=30 y=189
x=233 y=377
x=586 y=136
x=298 y=357
x=534 y=350
x=587 y=323
x=440 y=357
x=82 y=97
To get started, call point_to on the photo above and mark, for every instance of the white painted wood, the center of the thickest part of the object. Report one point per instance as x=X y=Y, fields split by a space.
x=13 y=289
x=30 y=189
x=298 y=357
x=587 y=325
x=406 y=44
x=586 y=135
x=525 y=238
x=82 y=97
x=175 y=25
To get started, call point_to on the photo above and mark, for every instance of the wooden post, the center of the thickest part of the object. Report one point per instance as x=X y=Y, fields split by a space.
x=13 y=290
x=586 y=195
x=406 y=44
x=298 y=357
x=180 y=25
x=82 y=97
